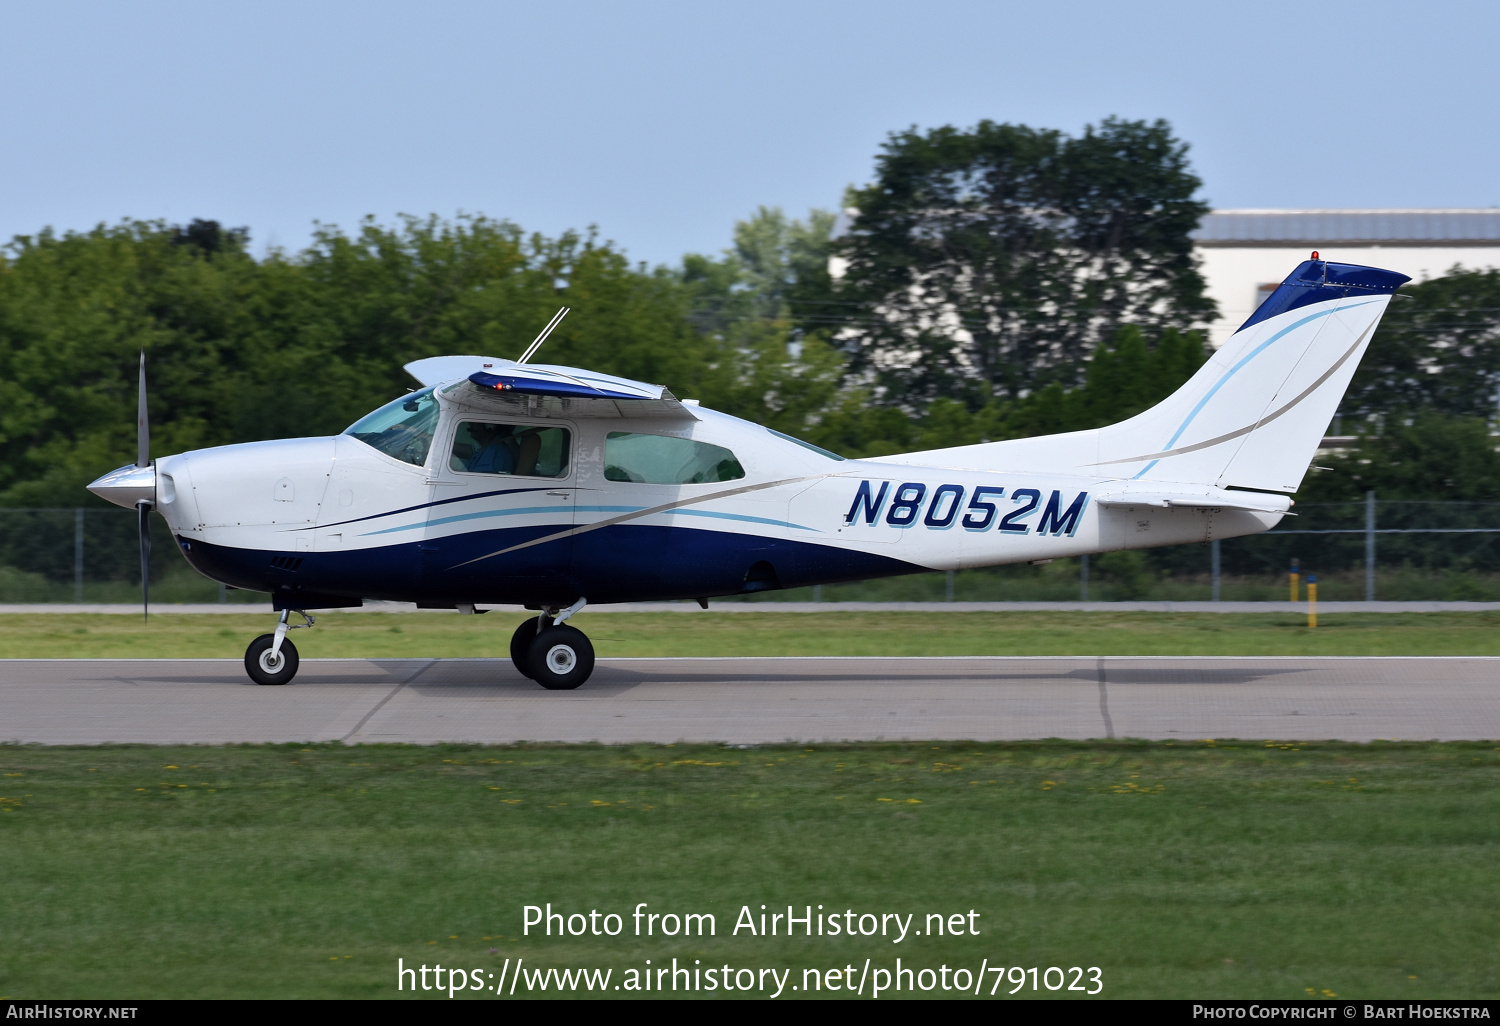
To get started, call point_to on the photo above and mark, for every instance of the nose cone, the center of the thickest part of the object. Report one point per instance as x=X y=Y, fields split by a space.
x=127 y=486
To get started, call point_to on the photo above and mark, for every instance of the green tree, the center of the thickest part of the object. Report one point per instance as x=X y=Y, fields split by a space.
x=1432 y=457
x=304 y=343
x=75 y=312
x=986 y=263
x=427 y=287
x=1438 y=349
x=765 y=365
x=1120 y=380
x=776 y=269
x=297 y=344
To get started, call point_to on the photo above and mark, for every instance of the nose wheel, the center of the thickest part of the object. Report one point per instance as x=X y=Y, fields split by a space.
x=271 y=658
x=271 y=667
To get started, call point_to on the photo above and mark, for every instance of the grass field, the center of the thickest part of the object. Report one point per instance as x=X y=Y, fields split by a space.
x=1189 y=870
x=391 y=635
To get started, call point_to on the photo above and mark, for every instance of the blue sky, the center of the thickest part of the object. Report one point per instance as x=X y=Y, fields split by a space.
x=664 y=122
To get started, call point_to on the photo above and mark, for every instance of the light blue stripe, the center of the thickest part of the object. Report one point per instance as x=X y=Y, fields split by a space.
x=748 y=520
x=518 y=511
x=1231 y=372
x=523 y=510
x=505 y=513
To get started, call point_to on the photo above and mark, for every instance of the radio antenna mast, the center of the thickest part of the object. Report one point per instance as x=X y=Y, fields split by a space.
x=531 y=350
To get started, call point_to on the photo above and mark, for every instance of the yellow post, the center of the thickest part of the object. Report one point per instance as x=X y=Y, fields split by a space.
x=1294 y=581
x=1312 y=601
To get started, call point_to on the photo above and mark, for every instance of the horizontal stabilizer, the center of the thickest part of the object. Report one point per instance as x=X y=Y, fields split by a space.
x=1255 y=502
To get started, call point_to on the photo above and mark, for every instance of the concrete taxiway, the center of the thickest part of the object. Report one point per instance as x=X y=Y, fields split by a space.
x=755 y=701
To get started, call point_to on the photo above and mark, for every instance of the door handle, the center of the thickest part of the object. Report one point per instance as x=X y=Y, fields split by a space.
x=562 y=495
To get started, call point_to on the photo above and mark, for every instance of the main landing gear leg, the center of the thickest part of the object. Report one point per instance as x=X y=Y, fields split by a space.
x=557 y=657
x=271 y=658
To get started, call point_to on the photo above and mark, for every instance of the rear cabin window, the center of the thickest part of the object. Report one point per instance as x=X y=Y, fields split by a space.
x=664 y=459
x=401 y=428
x=519 y=450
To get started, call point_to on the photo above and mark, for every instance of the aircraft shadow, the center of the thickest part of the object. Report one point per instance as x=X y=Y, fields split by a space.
x=1185 y=675
x=611 y=680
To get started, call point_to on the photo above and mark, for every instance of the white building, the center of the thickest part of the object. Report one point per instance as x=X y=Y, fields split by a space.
x=1246 y=253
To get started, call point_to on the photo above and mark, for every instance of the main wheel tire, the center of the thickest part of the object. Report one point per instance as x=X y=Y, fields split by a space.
x=561 y=658
x=520 y=645
x=262 y=669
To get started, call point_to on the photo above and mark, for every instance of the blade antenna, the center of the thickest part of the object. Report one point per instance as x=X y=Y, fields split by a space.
x=531 y=350
x=143 y=507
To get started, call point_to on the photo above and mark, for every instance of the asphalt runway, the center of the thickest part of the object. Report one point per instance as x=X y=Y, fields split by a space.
x=754 y=701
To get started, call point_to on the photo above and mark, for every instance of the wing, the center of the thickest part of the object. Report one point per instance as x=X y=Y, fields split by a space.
x=492 y=383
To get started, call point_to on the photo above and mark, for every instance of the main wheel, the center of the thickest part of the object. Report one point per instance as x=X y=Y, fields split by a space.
x=265 y=670
x=561 y=658
x=520 y=645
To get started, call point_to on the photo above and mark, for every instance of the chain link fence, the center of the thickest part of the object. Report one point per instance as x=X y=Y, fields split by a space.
x=1389 y=550
x=91 y=555
x=1397 y=551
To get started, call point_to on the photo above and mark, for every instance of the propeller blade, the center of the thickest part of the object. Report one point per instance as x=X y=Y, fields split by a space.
x=142 y=426
x=144 y=509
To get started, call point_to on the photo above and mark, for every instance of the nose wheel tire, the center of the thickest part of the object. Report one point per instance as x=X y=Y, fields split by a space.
x=561 y=658
x=265 y=670
x=520 y=645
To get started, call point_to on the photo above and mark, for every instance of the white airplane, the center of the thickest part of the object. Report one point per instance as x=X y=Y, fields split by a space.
x=503 y=482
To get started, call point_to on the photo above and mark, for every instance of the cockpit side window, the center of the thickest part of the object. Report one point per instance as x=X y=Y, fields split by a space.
x=666 y=459
x=402 y=428
x=524 y=450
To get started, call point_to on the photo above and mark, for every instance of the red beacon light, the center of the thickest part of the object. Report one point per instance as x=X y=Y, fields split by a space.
x=1315 y=254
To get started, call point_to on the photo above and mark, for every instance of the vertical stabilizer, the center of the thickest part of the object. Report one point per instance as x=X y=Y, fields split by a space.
x=1253 y=415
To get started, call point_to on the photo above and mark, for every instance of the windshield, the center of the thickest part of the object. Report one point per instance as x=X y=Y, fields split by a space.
x=402 y=428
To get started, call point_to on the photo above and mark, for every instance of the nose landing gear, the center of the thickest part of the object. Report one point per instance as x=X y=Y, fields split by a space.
x=271 y=658
x=556 y=656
